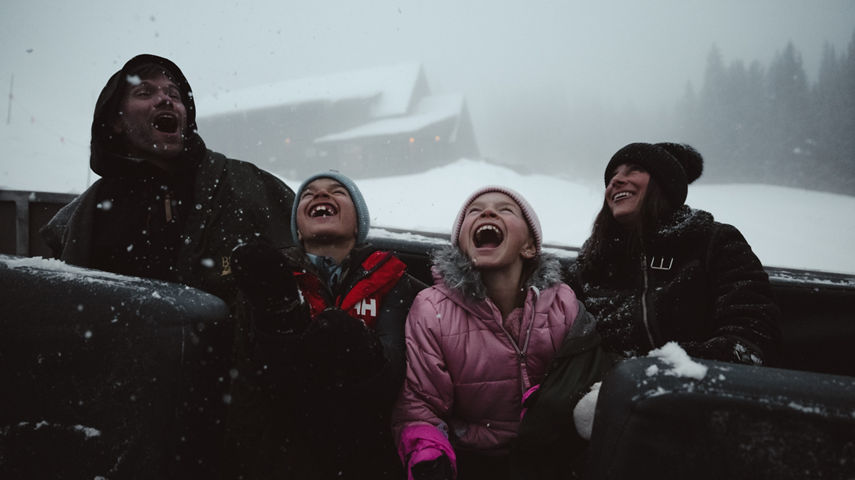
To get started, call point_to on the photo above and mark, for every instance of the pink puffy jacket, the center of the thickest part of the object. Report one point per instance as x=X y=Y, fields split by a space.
x=465 y=375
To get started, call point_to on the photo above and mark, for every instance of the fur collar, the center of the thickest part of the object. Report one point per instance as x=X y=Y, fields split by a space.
x=456 y=271
x=685 y=223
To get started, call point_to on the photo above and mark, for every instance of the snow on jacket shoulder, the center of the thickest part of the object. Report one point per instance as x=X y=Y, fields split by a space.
x=464 y=371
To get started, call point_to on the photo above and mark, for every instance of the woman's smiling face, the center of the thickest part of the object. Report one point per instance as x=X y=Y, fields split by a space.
x=625 y=193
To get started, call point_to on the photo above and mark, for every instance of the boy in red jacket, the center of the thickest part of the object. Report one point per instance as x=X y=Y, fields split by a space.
x=328 y=334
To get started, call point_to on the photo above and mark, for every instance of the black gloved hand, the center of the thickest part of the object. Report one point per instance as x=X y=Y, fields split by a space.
x=436 y=469
x=265 y=276
x=341 y=349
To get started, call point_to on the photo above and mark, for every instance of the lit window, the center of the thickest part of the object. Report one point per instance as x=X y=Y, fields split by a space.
x=412 y=140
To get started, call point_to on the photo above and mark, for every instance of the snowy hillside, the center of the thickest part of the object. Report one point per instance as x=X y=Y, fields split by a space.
x=786 y=227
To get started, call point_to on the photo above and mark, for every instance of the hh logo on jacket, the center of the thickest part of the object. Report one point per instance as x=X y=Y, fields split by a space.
x=368 y=307
x=381 y=271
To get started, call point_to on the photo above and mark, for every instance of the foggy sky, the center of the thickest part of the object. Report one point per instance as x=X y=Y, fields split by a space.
x=511 y=60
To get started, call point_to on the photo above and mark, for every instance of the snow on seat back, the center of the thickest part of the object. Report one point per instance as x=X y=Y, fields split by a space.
x=668 y=416
x=103 y=375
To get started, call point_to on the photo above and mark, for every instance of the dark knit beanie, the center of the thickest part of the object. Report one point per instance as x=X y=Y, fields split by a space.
x=528 y=213
x=363 y=219
x=673 y=165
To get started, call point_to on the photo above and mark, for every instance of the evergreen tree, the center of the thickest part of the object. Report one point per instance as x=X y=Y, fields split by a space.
x=846 y=139
x=770 y=125
x=746 y=111
x=790 y=157
x=686 y=115
x=713 y=118
x=828 y=116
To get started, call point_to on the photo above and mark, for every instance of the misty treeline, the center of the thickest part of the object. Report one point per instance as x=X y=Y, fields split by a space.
x=770 y=124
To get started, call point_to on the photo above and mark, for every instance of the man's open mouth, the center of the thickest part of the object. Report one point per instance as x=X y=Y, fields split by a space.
x=166 y=123
x=488 y=236
x=322 y=210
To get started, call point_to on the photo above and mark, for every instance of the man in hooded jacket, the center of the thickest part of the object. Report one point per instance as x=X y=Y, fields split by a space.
x=165 y=207
x=168 y=208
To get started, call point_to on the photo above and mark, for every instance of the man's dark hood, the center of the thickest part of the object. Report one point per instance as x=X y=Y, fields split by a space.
x=107 y=156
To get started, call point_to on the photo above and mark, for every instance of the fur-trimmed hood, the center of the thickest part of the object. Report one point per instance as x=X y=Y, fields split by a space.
x=457 y=272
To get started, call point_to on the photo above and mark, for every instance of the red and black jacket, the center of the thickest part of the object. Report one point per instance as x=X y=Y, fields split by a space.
x=362 y=289
x=317 y=407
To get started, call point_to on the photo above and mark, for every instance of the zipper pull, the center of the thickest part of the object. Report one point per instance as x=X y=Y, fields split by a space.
x=167 y=207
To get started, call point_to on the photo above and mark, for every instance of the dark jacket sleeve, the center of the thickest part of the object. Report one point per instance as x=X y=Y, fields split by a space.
x=390 y=331
x=572 y=276
x=53 y=232
x=370 y=363
x=279 y=198
x=264 y=201
x=747 y=328
x=69 y=233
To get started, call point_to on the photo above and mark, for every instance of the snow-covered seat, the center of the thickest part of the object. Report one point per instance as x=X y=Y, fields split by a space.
x=657 y=417
x=105 y=376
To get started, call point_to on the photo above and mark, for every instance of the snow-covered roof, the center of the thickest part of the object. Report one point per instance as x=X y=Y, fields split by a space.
x=392 y=86
x=430 y=110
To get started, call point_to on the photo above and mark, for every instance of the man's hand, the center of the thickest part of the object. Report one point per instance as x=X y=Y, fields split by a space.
x=265 y=276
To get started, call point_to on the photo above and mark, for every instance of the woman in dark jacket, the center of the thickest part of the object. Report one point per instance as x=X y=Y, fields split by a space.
x=655 y=270
x=327 y=343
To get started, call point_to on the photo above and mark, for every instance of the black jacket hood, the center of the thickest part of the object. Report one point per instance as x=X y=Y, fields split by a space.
x=106 y=156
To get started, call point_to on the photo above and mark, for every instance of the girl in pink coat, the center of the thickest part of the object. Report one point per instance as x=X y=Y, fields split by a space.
x=478 y=339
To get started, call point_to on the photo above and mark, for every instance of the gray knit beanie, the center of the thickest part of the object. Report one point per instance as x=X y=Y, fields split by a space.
x=528 y=213
x=363 y=219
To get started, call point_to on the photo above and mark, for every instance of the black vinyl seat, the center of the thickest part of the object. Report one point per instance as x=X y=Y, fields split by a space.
x=105 y=375
x=737 y=422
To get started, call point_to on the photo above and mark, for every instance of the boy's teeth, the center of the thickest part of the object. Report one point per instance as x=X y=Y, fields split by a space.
x=322 y=210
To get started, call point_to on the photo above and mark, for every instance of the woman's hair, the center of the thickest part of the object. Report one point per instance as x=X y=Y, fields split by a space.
x=655 y=208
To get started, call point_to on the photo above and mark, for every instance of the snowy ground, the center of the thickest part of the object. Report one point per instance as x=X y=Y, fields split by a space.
x=786 y=227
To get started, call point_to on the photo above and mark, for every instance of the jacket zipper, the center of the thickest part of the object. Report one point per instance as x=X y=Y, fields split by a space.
x=644 y=301
x=339 y=297
x=521 y=352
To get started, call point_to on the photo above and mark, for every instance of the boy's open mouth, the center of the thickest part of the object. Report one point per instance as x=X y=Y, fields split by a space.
x=322 y=210
x=166 y=122
x=488 y=236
